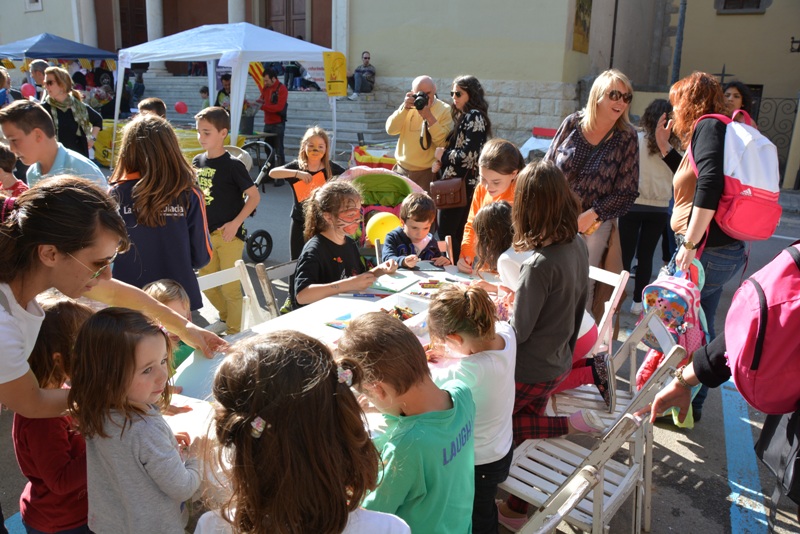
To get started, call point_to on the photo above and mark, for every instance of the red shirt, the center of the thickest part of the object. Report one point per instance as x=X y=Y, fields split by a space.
x=53 y=457
x=17 y=189
x=272 y=111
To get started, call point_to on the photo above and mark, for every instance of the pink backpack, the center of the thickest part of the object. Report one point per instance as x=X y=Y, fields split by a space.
x=748 y=209
x=761 y=335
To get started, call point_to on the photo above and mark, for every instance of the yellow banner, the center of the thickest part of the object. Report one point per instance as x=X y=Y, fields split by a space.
x=8 y=64
x=335 y=73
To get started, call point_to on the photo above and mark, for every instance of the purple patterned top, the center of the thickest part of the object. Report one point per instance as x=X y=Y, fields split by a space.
x=606 y=180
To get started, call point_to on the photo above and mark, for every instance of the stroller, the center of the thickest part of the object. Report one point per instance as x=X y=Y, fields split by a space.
x=258 y=244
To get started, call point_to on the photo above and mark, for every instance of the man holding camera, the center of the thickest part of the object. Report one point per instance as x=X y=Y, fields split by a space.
x=423 y=123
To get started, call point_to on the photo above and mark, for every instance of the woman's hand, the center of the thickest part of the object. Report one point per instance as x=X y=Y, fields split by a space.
x=438 y=153
x=684 y=257
x=206 y=342
x=673 y=394
x=436 y=167
x=586 y=220
x=663 y=132
x=465 y=264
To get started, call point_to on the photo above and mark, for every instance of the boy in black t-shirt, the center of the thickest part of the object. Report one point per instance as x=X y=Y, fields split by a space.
x=225 y=183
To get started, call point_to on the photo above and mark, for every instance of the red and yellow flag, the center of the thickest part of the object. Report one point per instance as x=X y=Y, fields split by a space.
x=256 y=70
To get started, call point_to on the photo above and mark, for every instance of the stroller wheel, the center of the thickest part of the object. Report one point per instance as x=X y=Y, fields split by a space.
x=259 y=245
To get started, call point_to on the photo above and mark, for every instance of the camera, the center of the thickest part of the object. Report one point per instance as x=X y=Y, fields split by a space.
x=420 y=100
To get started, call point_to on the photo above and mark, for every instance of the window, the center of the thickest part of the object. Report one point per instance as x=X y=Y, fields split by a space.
x=741 y=7
x=33 y=5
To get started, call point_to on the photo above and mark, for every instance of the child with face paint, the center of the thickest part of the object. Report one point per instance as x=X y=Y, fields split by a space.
x=330 y=263
x=310 y=171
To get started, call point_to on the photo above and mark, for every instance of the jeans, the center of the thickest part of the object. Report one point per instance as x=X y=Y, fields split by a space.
x=487 y=477
x=78 y=530
x=720 y=264
x=277 y=142
x=359 y=83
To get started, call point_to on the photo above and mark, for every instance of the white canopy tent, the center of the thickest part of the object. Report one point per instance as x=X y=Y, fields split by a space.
x=232 y=45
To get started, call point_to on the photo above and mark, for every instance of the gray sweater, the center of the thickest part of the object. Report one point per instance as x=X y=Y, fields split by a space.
x=548 y=309
x=137 y=480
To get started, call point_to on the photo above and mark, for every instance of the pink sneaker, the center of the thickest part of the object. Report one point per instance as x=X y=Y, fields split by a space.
x=514 y=524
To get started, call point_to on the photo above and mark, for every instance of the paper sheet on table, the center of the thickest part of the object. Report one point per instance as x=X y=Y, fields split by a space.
x=196 y=422
x=396 y=282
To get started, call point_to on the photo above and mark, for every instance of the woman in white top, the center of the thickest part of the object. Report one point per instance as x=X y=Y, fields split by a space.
x=63 y=234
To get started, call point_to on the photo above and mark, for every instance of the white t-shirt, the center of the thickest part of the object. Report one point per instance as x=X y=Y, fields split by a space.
x=360 y=522
x=490 y=377
x=18 y=332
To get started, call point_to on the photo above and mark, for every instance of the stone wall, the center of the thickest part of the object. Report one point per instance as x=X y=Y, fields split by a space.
x=515 y=107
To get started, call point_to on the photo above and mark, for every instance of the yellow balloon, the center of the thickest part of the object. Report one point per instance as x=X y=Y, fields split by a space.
x=381 y=224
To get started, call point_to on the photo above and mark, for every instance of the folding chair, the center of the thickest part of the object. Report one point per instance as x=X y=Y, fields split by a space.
x=605 y=326
x=587 y=397
x=266 y=277
x=544 y=469
x=251 y=312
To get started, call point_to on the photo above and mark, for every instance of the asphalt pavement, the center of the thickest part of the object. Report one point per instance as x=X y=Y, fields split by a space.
x=705 y=480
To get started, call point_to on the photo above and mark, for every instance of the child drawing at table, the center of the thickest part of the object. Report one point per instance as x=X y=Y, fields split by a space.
x=311 y=170
x=427 y=450
x=50 y=453
x=137 y=480
x=494 y=236
x=548 y=308
x=464 y=319
x=330 y=262
x=292 y=441
x=499 y=163
x=172 y=295
x=413 y=241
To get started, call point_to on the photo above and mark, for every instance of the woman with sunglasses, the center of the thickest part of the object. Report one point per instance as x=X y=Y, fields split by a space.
x=471 y=129
x=598 y=151
x=77 y=124
x=64 y=233
x=697 y=194
x=330 y=263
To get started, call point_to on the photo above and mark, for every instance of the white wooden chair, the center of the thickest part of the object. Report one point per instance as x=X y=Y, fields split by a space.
x=605 y=326
x=251 y=311
x=266 y=277
x=445 y=247
x=588 y=397
x=543 y=469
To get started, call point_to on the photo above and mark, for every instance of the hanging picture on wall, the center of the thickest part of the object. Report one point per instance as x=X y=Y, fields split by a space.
x=580 y=31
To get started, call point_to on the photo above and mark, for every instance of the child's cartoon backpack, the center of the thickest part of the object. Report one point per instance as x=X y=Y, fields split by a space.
x=748 y=209
x=761 y=335
x=677 y=301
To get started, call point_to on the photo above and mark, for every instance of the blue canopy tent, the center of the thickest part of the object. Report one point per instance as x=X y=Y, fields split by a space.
x=47 y=45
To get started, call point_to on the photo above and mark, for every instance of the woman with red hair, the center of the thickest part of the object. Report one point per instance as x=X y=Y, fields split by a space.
x=697 y=193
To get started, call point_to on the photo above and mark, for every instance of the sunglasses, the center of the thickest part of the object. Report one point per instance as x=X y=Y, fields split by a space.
x=456 y=94
x=616 y=95
x=99 y=271
x=366 y=57
x=49 y=82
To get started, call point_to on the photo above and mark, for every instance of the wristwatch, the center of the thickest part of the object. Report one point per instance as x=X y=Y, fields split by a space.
x=678 y=375
x=688 y=245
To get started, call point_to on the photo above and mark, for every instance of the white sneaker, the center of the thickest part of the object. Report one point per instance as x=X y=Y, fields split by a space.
x=637 y=308
x=354 y=96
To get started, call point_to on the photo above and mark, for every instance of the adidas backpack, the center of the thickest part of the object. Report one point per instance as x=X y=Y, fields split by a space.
x=761 y=335
x=748 y=209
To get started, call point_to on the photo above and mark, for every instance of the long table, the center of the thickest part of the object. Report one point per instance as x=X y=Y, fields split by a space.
x=325 y=319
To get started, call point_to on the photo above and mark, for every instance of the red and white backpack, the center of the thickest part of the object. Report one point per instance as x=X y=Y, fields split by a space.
x=748 y=209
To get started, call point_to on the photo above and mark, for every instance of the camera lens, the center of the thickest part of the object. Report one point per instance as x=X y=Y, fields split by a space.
x=420 y=100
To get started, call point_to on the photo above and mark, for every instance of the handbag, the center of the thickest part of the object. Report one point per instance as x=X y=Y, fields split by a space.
x=450 y=193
